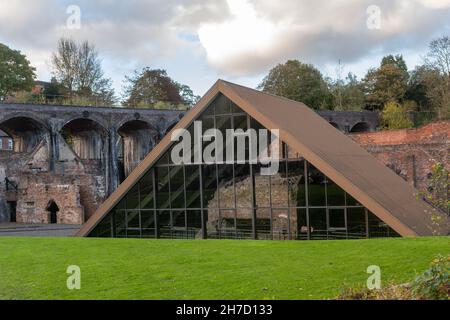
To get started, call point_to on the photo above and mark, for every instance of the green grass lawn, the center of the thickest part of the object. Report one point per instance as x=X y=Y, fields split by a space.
x=33 y=268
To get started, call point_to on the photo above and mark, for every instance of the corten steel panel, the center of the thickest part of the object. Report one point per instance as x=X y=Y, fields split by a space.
x=371 y=183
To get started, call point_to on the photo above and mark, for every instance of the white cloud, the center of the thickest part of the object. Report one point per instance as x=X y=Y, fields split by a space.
x=435 y=4
x=261 y=33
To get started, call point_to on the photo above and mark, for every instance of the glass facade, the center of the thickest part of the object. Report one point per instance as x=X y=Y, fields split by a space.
x=234 y=200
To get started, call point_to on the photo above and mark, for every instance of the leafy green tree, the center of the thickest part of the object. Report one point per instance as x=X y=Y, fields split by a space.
x=394 y=116
x=387 y=83
x=16 y=73
x=347 y=95
x=153 y=88
x=77 y=67
x=418 y=87
x=300 y=82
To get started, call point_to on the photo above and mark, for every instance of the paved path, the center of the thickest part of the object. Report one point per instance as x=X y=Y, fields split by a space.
x=37 y=230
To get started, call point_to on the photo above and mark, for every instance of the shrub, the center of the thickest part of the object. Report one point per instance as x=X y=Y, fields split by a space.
x=434 y=283
x=394 y=116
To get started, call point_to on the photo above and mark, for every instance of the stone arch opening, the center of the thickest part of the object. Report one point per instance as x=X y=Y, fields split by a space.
x=136 y=140
x=360 y=127
x=52 y=209
x=22 y=134
x=334 y=124
x=86 y=137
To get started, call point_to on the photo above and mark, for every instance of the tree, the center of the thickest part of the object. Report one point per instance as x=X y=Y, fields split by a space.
x=298 y=81
x=418 y=87
x=387 y=83
x=438 y=81
x=153 y=88
x=78 y=68
x=16 y=73
x=394 y=116
x=348 y=94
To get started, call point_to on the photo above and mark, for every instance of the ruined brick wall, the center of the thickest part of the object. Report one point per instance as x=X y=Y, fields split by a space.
x=77 y=186
x=36 y=193
x=411 y=152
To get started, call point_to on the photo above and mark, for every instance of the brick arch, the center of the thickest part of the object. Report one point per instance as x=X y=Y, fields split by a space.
x=26 y=130
x=99 y=120
x=137 y=139
x=86 y=136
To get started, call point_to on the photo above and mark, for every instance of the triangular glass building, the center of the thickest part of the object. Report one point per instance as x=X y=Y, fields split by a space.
x=326 y=186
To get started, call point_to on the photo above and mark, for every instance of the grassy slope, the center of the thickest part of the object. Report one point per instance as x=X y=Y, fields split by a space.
x=175 y=269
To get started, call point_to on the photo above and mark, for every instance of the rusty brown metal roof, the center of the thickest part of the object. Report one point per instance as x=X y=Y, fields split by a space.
x=375 y=186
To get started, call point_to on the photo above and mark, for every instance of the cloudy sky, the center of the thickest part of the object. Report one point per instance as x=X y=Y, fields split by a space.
x=199 y=41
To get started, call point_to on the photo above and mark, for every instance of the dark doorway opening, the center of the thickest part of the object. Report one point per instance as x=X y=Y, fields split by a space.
x=53 y=209
x=12 y=206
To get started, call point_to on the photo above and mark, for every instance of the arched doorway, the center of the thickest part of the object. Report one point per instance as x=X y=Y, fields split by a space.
x=53 y=210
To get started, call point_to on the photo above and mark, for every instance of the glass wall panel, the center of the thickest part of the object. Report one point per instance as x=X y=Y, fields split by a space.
x=222 y=105
x=148 y=223
x=120 y=223
x=279 y=188
x=263 y=224
x=194 y=224
x=164 y=224
x=378 y=228
x=177 y=187
x=351 y=201
x=146 y=191
x=337 y=227
x=133 y=219
x=179 y=224
x=209 y=180
x=243 y=184
x=335 y=195
x=318 y=223
x=213 y=223
x=302 y=225
x=132 y=198
x=192 y=186
x=297 y=187
x=226 y=186
x=244 y=224
x=227 y=224
x=280 y=222
x=103 y=229
x=262 y=188
x=356 y=223
x=316 y=187
x=162 y=187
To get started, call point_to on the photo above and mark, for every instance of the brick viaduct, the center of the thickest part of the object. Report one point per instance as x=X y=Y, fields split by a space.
x=70 y=158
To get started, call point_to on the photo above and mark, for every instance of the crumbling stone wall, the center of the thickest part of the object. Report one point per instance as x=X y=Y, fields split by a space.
x=77 y=186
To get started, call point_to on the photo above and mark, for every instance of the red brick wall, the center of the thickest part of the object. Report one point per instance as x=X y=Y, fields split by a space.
x=410 y=152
